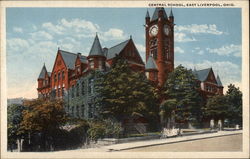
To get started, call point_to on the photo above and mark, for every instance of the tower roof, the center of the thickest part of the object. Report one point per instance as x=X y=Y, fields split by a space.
x=96 y=49
x=171 y=13
x=155 y=15
x=218 y=81
x=43 y=72
x=202 y=74
x=150 y=64
x=111 y=52
x=147 y=14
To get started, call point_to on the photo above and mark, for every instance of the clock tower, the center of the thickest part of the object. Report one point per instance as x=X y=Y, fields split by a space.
x=160 y=42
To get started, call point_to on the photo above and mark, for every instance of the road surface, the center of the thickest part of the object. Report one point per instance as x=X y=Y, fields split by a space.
x=223 y=143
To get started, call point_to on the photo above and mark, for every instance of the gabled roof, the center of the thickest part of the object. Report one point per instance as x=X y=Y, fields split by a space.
x=116 y=49
x=151 y=64
x=218 y=81
x=96 y=49
x=42 y=73
x=155 y=15
x=202 y=74
x=69 y=59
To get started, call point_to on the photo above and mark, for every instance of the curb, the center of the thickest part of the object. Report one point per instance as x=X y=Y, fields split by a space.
x=172 y=142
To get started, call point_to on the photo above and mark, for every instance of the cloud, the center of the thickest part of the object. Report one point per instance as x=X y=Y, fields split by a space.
x=41 y=35
x=198 y=51
x=199 y=29
x=178 y=50
x=182 y=37
x=16 y=44
x=228 y=71
x=227 y=50
x=113 y=34
x=57 y=29
x=18 y=30
x=141 y=48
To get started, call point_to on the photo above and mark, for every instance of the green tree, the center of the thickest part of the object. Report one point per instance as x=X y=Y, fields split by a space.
x=123 y=92
x=216 y=107
x=234 y=100
x=182 y=96
x=14 y=119
x=43 y=116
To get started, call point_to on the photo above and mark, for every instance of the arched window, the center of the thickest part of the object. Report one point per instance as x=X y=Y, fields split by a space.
x=63 y=76
x=59 y=76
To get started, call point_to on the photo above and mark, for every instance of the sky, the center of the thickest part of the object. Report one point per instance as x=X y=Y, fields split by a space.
x=204 y=37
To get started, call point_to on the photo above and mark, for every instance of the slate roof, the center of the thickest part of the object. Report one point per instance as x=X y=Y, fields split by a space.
x=69 y=58
x=116 y=49
x=218 y=81
x=96 y=49
x=151 y=64
x=49 y=73
x=155 y=15
x=42 y=73
x=202 y=74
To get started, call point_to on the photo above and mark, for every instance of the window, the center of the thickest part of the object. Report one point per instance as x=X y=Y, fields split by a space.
x=82 y=87
x=44 y=82
x=100 y=64
x=91 y=86
x=77 y=89
x=59 y=76
x=155 y=76
x=147 y=74
x=91 y=63
x=55 y=77
x=154 y=53
x=78 y=69
x=63 y=75
x=73 y=92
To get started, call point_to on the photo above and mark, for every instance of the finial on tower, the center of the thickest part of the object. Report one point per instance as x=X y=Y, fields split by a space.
x=130 y=36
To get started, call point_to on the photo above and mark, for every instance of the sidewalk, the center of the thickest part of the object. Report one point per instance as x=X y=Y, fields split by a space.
x=131 y=145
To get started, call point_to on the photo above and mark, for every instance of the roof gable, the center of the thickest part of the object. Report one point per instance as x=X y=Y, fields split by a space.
x=219 y=81
x=43 y=73
x=202 y=74
x=116 y=50
x=69 y=59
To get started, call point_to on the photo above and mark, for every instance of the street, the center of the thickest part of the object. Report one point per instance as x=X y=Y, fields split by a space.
x=223 y=143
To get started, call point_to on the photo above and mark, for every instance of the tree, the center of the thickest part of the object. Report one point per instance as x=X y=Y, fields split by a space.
x=14 y=118
x=44 y=117
x=182 y=96
x=216 y=107
x=234 y=100
x=123 y=92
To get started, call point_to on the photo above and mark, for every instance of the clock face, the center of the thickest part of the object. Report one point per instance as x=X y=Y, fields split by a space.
x=166 y=29
x=153 y=30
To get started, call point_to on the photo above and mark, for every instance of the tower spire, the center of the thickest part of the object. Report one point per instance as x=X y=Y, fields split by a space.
x=171 y=13
x=147 y=15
